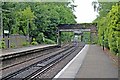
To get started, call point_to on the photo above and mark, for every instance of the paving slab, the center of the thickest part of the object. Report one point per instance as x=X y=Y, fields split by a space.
x=97 y=65
x=71 y=69
x=91 y=63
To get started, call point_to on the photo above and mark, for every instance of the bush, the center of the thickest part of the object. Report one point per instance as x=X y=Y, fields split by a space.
x=40 y=38
x=34 y=42
x=2 y=44
x=118 y=45
x=48 y=41
x=25 y=44
x=88 y=42
x=111 y=27
x=12 y=45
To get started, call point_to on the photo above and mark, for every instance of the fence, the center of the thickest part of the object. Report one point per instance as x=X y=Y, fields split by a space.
x=14 y=40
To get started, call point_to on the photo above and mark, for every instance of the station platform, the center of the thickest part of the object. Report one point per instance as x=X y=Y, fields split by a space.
x=24 y=49
x=90 y=63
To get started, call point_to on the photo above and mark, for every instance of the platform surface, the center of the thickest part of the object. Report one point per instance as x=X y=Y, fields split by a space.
x=91 y=62
x=13 y=51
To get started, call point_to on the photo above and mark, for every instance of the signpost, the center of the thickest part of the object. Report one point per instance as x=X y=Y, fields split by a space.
x=1 y=22
x=7 y=32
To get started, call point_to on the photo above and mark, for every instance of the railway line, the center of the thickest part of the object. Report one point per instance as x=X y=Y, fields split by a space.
x=21 y=61
x=13 y=61
x=41 y=66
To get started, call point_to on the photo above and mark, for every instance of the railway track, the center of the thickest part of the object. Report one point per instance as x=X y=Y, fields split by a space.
x=53 y=71
x=40 y=67
x=43 y=53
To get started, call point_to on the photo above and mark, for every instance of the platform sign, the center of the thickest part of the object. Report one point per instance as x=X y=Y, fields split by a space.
x=6 y=31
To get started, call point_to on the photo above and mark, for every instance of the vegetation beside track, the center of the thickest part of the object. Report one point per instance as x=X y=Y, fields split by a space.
x=37 y=20
x=109 y=26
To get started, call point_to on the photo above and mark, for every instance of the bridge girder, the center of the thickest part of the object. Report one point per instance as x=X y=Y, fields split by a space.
x=78 y=28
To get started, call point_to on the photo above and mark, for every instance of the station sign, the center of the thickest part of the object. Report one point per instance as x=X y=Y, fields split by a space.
x=6 y=31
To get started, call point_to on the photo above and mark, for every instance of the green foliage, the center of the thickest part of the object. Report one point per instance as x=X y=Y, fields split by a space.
x=86 y=37
x=114 y=28
x=36 y=19
x=48 y=41
x=24 y=20
x=40 y=38
x=3 y=46
x=12 y=45
x=118 y=44
x=109 y=29
x=105 y=8
x=101 y=28
x=0 y=45
x=49 y=15
x=34 y=42
x=66 y=36
x=25 y=43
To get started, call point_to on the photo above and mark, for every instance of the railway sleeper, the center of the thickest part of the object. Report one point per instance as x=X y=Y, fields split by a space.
x=41 y=65
x=26 y=72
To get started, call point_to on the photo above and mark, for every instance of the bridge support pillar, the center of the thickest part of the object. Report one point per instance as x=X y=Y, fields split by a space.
x=81 y=38
x=59 y=39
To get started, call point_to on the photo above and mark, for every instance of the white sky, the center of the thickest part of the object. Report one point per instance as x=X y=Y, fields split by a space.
x=84 y=11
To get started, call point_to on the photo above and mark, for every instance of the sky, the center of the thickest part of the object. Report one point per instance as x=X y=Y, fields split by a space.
x=84 y=11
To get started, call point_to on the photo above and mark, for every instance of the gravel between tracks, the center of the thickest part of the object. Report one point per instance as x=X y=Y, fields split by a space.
x=53 y=71
x=25 y=57
x=20 y=66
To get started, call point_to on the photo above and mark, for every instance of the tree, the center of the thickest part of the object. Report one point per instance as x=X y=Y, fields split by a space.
x=114 y=29
x=24 y=20
x=94 y=3
x=108 y=27
x=38 y=18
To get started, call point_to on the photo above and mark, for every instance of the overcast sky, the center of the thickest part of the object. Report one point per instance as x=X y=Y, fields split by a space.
x=84 y=11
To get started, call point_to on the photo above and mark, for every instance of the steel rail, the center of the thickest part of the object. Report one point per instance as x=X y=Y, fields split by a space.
x=27 y=68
